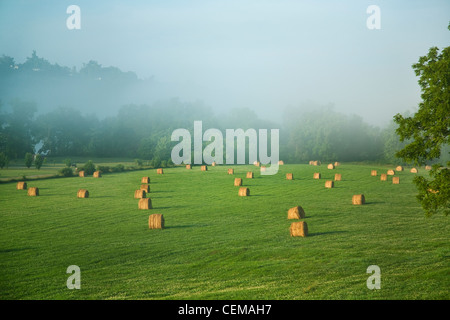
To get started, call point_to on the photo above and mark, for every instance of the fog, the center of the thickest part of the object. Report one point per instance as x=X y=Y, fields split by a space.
x=263 y=55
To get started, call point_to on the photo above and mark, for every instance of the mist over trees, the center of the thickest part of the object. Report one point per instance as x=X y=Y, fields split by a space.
x=143 y=131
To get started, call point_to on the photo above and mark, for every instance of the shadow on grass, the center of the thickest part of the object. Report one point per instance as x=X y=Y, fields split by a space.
x=185 y=226
x=14 y=250
x=314 y=234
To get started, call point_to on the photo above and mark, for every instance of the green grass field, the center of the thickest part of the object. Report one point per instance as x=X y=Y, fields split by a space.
x=217 y=245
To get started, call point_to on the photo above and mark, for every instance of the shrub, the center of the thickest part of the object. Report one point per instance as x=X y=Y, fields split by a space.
x=68 y=162
x=28 y=160
x=89 y=167
x=66 y=172
x=104 y=169
x=118 y=168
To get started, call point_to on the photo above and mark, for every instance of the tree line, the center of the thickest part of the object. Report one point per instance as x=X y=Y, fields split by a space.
x=144 y=132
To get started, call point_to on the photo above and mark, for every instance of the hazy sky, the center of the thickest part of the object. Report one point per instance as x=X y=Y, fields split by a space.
x=264 y=55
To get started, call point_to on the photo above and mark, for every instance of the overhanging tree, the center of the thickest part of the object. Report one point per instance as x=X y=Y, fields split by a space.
x=429 y=130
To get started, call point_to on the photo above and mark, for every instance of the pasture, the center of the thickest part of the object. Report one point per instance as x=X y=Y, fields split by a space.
x=218 y=245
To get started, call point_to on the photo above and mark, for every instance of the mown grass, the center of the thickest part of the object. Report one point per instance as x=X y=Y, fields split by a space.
x=217 y=245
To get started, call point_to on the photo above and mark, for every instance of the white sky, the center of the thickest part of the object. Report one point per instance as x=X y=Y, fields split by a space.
x=264 y=55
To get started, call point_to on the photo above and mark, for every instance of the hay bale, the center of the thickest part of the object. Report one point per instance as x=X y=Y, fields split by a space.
x=145 y=187
x=289 y=176
x=213 y=164
x=156 y=221
x=139 y=194
x=383 y=177
x=337 y=177
x=204 y=168
x=399 y=168
x=230 y=171
x=317 y=163
x=188 y=166
x=21 y=185
x=145 y=204
x=358 y=199
x=337 y=164
x=330 y=166
x=249 y=175
x=257 y=163
x=145 y=180
x=263 y=169
x=244 y=192
x=329 y=184
x=414 y=170
x=237 y=182
x=311 y=163
x=390 y=172
x=373 y=173
x=298 y=229
x=396 y=180
x=83 y=193
x=81 y=174
x=97 y=174
x=33 y=192
x=280 y=162
x=427 y=167
x=316 y=175
x=296 y=213
x=159 y=171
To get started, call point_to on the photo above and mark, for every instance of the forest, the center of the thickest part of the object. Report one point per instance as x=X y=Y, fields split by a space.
x=29 y=125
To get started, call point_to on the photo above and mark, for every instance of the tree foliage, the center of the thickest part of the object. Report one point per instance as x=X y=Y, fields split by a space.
x=429 y=129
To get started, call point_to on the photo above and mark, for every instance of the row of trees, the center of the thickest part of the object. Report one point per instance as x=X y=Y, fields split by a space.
x=144 y=132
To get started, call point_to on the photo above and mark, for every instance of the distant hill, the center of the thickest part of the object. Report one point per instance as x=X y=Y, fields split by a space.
x=91 y=89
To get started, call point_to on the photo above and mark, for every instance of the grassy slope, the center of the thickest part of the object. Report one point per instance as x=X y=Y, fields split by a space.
x=217 y=245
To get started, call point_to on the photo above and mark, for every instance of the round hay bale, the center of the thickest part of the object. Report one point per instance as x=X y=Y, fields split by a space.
x=399 y=168
x=280 y=162
x=373 y=173
x=330 y=166
x=145 y=204
x=427 y=167
x=33 y=192
x=337 y=177
x=337 y=164
x=204 y=168
x=396 y=180
x=257 y=163
x=230 y=171
x=145 y=180
x=263 y=169
x=97 y=174
x=317 y=163
x=296 y=213
x=156 y=221
x=311 y=163
x=316 y=175
x=145 y=187
x=244 y=192
x=298 y=229
x=414 y=170
x=358 y=199
x=383 y=177
x=21 y=185
x=329 y=184
x=250 y=175
x=81 y=174
x=139 y=194
x=237 y=182
x=159 y=171
x=289 y=176
x=83 y=193
x=213 y=164
x=188 y=166
x=390 y=172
